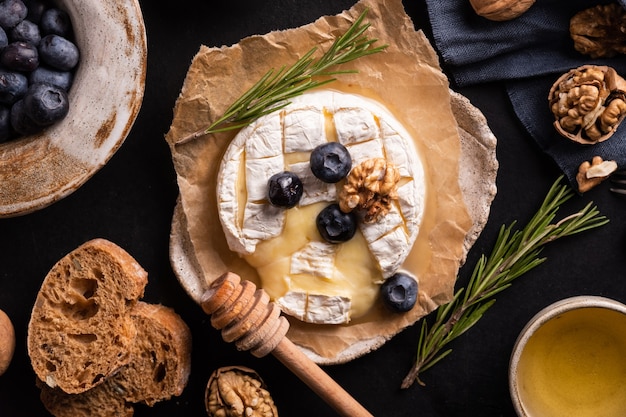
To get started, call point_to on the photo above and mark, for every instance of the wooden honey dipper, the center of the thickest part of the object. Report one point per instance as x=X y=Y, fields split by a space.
x=245 y=316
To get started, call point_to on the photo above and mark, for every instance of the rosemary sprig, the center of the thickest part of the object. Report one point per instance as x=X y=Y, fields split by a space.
x=514 y=254
x=276 y=87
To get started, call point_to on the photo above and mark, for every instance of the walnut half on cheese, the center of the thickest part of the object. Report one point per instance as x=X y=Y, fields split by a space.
x=309 y=278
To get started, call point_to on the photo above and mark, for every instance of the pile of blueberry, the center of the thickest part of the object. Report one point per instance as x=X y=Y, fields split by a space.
x=37 y=62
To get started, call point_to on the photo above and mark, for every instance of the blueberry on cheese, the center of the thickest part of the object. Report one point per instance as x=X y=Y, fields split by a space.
x=341 y=147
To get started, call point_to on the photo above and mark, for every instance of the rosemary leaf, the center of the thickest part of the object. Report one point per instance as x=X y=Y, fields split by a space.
x=275 y=88
x=514 y=253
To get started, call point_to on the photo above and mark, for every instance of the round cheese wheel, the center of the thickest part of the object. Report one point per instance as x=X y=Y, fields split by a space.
x=308 y=277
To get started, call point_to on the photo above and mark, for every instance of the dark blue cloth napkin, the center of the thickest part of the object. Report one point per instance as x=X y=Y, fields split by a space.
x=528 y=54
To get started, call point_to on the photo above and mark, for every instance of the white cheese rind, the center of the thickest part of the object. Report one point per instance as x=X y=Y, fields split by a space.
x=315 y=308
x=355 y=124
x=258 y=173
x=262 y=142
x=304 y=129
x=325 y=309
x=280 y=141
x=314 y=190
x=362 y=151
x=262 y=221
x=316 y=258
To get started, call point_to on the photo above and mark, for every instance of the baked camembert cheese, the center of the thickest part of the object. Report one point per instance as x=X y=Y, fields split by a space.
x=308 y=277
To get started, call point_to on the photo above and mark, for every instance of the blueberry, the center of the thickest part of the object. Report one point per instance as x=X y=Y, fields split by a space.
x=334 y=225
x=56 y=22
x=399 y=292
x=26 y=31
x=4 y=39
x=20 y=56
x=12 y=12
x=35 y=9
x=42 y=74
x=13 y=86
x=20 y=122
x=284 y=189
x=6 y=131
x=58 y=52
x=45 y=104
x=330 y=162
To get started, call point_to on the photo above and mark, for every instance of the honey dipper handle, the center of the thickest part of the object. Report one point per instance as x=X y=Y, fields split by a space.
x=318 y=380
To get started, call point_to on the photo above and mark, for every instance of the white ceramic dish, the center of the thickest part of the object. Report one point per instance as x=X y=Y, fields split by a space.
x=569 y=360
x=105 y=98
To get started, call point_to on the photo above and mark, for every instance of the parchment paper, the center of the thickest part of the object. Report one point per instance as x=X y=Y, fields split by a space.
x=406 y=77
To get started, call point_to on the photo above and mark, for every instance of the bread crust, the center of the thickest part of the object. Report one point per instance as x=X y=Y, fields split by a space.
x=80 y=331
x=158 y=370
x=163 y=334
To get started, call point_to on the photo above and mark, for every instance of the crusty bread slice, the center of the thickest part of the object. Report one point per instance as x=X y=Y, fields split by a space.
x=161 y=356
x=159 y=369
x=100 y=401
x=80 y=330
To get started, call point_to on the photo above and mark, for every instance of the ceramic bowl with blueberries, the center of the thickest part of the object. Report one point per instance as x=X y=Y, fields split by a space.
x=72 y=77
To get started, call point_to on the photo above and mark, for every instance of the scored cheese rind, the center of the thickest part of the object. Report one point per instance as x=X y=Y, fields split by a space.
x=354 y=124
x=303 y=129
x=362 y=151
x=310 y=285
x=314 y=189
x=262 y=143
x=258 y=173
x=316 y=258
x=315 y=308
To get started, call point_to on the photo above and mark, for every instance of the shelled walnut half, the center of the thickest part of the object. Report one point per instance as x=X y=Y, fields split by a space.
x=371 y=186
x=600 y=31
x=593 y=173
x=237 y=391
x=588 y=103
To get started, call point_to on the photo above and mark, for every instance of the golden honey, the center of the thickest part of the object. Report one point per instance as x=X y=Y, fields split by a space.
x=575 y=366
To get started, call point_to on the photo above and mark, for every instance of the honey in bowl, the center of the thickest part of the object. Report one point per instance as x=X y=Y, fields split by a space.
x=571 y=361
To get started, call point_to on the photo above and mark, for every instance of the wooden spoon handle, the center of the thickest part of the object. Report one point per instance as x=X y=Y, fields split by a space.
x=246 y=317
x=319 y=381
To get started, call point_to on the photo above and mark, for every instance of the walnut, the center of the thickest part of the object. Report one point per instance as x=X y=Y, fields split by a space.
x=600 y=31
x=588 y=103
x=593 y=173
x=7 y=341
x=500 y=10
x=237 y=391
x=371 y=186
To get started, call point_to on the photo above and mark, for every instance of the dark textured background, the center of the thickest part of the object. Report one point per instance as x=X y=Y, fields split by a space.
x=130 y=202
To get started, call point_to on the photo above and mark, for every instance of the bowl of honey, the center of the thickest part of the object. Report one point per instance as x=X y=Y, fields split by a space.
x=570 y=360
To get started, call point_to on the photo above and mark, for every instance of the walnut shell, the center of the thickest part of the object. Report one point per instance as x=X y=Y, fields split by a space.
x=588 y=103
x=237 y=391
x=600 y=31
x=7 y=342
x=501 y=10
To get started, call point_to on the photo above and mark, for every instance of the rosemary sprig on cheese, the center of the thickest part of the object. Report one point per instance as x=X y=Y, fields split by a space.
x=276 y=87
x=514 y=254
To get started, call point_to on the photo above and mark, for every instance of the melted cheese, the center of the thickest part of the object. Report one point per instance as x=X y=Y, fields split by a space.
x=311 y=279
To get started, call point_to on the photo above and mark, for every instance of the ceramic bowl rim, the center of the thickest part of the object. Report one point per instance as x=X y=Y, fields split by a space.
x=539 y=319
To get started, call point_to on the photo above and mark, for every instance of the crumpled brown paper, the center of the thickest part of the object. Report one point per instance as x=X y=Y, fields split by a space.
x=406 y=77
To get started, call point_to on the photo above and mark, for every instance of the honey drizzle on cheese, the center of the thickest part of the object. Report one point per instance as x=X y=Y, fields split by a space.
x=420 y=257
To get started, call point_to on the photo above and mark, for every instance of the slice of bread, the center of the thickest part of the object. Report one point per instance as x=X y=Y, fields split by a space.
x=80 y=330
x=100 y=401
x=160 y=359
x=159 y=369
